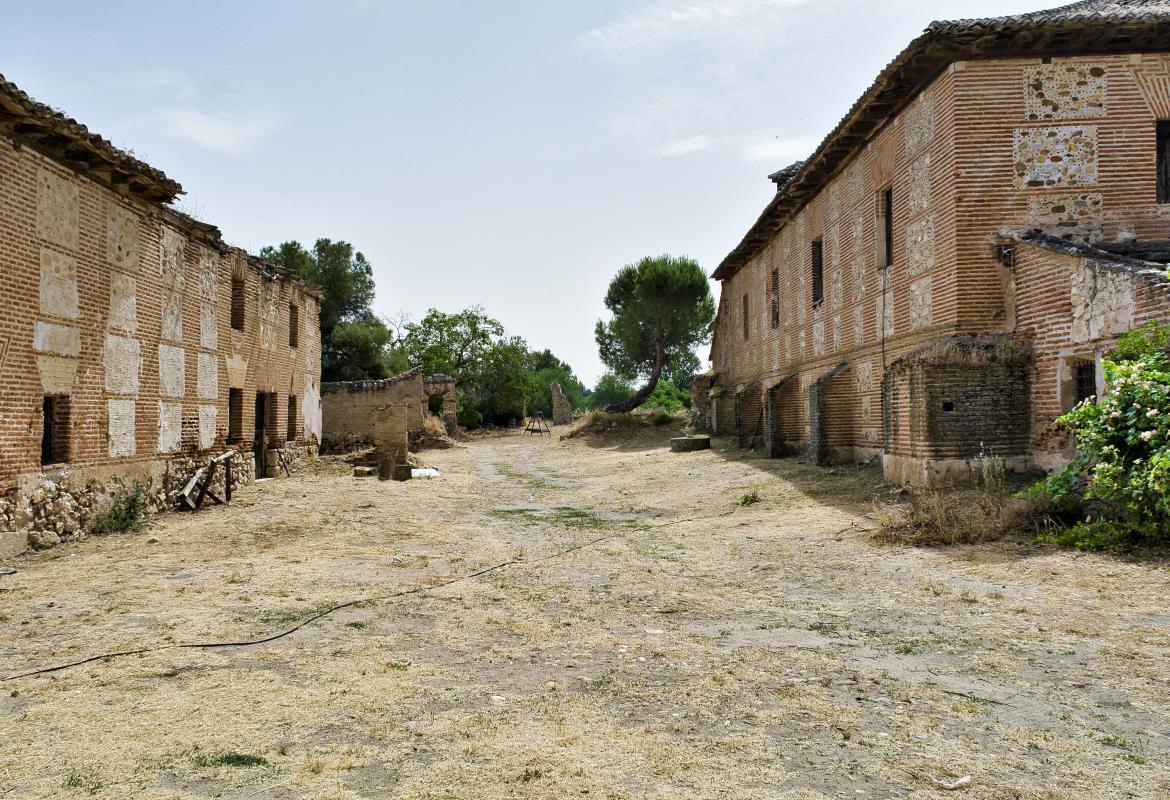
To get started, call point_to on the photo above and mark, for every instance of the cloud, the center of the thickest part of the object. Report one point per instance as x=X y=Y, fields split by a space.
x=753 y=146
x=685 y=147
x=666 y=23
x=226 y=132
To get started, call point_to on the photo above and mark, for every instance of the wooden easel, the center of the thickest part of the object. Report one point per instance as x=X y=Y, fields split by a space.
x=203 y=478
x=536 y=424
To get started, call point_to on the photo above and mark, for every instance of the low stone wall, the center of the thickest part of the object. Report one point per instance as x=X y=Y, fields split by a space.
x=350 y=408
x=48 y=508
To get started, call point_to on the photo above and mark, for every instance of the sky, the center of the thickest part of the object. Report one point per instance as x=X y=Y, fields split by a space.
x=513 y=154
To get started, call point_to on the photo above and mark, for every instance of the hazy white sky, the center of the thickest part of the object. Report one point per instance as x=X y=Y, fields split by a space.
x=513 y=153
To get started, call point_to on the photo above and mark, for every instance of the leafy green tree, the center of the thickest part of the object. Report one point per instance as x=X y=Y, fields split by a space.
x=610 y=389
x=662 y=310
x=345 y=277
x=668 y=397
x=549 y=369
x=354 y=343
x=451 y=343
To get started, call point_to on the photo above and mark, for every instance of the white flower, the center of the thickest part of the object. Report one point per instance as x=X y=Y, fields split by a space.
x=1153 y=412
x=1147 y=436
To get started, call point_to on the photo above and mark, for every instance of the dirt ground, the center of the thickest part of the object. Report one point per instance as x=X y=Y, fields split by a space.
x=647 y=636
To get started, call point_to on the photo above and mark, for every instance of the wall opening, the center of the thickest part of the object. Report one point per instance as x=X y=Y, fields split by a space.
x=238 y=303
x=1163 y=138
x=885 y=228
x=745 y=318
x=294 y=324
x=775 y=299
x=818 y=271
x=265 y=411
x=55 y=430
x=1086 y=382
x=293 y=428
x=235 y=416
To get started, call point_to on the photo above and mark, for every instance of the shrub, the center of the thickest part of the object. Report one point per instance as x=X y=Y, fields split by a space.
x=1117 y=487
x=662 y=417
x=944 y=517
x=124 y=514
x=750 y=498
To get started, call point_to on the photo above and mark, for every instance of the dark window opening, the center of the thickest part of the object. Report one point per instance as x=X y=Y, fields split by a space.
x=745 y=317
x=885 y=226
x=238 y=304
x=818 y=272
x=1163 y=137
x=235 y=416
x=1086 y=379
x=55 y=430
x=948 y=405
x=294 y=315
x=775 y=298
x=292 y=418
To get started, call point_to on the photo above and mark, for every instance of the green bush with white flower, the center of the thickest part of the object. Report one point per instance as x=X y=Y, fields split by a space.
x=1118 y=485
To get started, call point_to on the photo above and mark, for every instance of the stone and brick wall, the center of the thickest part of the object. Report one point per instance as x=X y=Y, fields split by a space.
x=119 y=310
x=1064 y=145
x=349 y=408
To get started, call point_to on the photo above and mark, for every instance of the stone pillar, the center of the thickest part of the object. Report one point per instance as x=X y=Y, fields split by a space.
x=701 y=401
x=390 y=442
x=562 y=409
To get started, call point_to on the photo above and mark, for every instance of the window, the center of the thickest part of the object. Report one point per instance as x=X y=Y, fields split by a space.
x=235 y=416
x=1163 y=137
x=775 y=298
x=818 y=272
x=885 y=228
x=745 y=317
x=1086 y=381
x=292 y=418
x=294 y=316
x=238 y=303
x=55 y=430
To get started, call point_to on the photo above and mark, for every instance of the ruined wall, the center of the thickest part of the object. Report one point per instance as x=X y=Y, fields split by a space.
x=443 y=387
x=701 y=401
x=562 y=409
x=349 y=409
x=1072 y=309
x=953 y=402
x=121 y=309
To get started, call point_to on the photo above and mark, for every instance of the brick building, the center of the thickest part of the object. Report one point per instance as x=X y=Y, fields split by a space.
x=135 y=343
x=942 y=276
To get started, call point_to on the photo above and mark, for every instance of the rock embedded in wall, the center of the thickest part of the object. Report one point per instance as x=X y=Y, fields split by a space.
x=1065 y=90
x=172 y=317
x=61 y=340
x=921 y=302
x=172 y=246
x=208 y=418
x=123 y=303
x=122 y=361
x=58 y=209
x=1055 y=156
x=120 y=427
x=918 y=124
x=172 y=370
x=122 y=229
x=1078 y=217
x=837 y=333
x=819 y=337
x=170 y=427
x=1103 y=302
x=920 y=246
x=208 y=331
x=920 y=185
x=207 y=376
x=58 y=287
x=267 y=309
x=858 y=327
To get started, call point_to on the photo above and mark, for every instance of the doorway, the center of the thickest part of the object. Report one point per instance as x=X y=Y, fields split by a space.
x=260 y=443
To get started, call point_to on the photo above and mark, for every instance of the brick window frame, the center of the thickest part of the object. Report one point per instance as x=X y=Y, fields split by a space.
x=239 y=303
x=235 y=432
x=293 y=427
x=294 y=324
x=884 y=229
x=746 y=318
x=817 y=253
x=774 y=291
x=1162 y=137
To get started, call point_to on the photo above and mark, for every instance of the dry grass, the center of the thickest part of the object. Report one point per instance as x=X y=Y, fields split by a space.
x=602 y=423
x=948 y=517
x=704 y=650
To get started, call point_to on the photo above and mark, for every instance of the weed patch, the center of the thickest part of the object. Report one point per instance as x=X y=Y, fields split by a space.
x=124 y=514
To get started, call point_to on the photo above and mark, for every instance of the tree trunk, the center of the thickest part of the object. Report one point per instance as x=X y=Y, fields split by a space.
x=640 y=396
